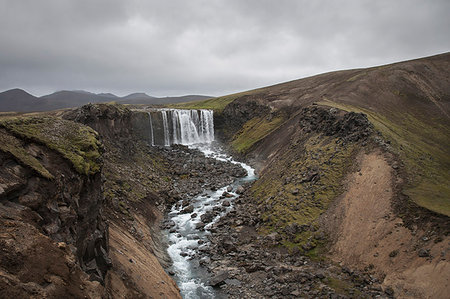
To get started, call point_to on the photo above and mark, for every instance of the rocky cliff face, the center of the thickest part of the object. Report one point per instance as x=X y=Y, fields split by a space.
x=51 y=209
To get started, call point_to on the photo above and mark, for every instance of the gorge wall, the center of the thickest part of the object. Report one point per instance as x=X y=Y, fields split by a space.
x=53 y=227
x=316 y=142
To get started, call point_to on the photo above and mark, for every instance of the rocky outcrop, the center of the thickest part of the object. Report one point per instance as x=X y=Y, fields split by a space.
x=51 y=211
x=236 y=114
x=349 y=126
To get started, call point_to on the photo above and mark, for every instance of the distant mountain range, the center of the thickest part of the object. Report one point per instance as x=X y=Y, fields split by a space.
x=21 y=101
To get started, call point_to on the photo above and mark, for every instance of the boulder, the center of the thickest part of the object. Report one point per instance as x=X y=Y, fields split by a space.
x=240 y=190
x=218 y=279
x=187 y=210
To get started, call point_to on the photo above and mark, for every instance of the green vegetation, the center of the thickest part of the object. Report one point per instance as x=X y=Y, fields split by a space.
x=216 y=104
x=14 y=146
x=342 y=287
x=299 y=186
x=424 y=148
x=253 y=131
x=77 y=143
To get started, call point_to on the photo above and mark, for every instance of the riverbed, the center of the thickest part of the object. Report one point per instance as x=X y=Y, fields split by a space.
x=188 y=235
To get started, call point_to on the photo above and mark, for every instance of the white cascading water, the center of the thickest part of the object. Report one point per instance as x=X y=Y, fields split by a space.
x=196 y=129
x=183 y=243
x=181 y=126
x=152 y=138
x=166 y=128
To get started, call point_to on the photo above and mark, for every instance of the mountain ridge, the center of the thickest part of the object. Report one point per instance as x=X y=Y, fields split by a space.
x=19 y=100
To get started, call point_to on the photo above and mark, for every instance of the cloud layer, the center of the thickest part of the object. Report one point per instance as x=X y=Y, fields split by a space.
x=206 y=46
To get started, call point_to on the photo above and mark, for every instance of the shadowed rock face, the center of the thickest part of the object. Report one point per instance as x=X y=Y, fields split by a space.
x=49 y=222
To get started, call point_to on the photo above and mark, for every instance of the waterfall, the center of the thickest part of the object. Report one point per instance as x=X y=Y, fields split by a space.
x=180 y=126
x=152 y=138
x=166 y=128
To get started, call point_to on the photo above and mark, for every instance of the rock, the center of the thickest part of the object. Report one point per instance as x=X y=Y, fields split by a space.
x=193 y=215
x=273 y=237
x=204 y=248
x=389 y=291
x=229 y=189
x=424 y=252
x=296 y=293
x=169 y=224
x=207 y=217
x=394 y=253
x=187 y=210
x=218 y=279
x=320 y=276
x=205 y=260
x=233 y=282
x=311 y=176
x=240 y=190
x=226 y=203
x=200 y=225
x=295 y=191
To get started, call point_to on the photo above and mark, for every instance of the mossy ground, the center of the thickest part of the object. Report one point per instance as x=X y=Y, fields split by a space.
x=424 y=148
x=216 y=104
x=15 y=147
x=253 y=131
x=287 y=196
x=77 y=143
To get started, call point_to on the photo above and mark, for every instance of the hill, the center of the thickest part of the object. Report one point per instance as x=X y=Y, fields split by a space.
x=20 y=101
x=353 y=166
x=17 y=100
x=408 y=103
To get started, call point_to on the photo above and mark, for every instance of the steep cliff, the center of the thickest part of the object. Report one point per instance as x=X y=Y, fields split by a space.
x=51 y=209
x=136 y=195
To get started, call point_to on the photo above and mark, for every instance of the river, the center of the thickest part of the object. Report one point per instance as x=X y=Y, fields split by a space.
x=186 y=239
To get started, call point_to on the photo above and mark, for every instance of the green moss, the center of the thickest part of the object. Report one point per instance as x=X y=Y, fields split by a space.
x=342 y=287
x=289 y=198
x=253 y=131
x=423 y=146
x=14 y=146
x=77 y=143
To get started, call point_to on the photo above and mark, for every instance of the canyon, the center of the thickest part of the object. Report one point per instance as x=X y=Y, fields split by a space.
x=350 y=197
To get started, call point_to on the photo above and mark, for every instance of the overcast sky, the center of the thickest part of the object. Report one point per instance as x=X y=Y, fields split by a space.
x=211 y=47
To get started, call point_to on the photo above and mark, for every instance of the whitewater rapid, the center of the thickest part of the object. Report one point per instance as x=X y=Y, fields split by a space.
x=186 y=240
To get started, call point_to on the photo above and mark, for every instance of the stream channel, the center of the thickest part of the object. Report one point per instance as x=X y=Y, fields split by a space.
x=185 y=241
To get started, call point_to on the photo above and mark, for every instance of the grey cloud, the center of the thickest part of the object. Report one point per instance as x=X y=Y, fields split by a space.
x=209 y=47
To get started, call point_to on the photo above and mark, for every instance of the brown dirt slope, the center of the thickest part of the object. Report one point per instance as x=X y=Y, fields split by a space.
x=367 y=234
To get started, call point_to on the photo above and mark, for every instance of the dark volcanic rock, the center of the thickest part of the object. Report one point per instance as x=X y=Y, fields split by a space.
x=351 y=126
x=218 y=279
